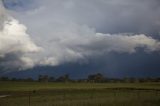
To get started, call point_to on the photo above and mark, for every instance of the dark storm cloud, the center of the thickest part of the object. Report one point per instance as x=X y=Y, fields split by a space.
x=10 y=60
x=69 y=31
x=111 y=66
x=137 y=16
x=112 y=16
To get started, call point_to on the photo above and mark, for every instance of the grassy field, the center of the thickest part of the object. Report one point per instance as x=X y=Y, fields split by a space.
x=79 y=94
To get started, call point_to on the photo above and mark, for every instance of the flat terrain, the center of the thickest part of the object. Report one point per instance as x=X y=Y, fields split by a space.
x=79 y=94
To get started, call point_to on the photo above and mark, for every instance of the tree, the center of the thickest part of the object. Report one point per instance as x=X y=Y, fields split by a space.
x=64 y=78
x=29 y=79
x=43 y=78
x=40 y=77
x=96 y=78
x=14 y=79
x=4 y=79
x=51 y=79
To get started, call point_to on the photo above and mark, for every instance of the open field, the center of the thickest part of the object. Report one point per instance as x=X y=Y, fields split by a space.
x=79 y=94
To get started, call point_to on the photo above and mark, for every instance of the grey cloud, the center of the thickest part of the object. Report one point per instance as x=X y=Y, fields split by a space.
x=137 y=16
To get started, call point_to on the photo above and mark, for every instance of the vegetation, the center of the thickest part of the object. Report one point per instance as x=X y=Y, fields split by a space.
x=79 y=94
x=95 y=90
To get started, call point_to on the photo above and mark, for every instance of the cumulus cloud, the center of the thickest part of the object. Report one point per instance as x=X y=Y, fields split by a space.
x=65 y=32
x=15 y=43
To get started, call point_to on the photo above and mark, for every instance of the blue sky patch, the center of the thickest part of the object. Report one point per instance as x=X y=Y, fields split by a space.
x=19 y=5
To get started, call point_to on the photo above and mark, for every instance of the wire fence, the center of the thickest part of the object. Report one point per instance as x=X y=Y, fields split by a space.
x=61 y=98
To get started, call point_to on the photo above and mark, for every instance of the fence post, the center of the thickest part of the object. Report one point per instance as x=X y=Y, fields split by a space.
x=29 y=101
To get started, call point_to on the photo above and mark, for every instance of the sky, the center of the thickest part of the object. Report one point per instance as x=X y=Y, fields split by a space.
x=118 y=38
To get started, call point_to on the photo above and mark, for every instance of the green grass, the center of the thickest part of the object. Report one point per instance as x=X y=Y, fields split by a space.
x=79 y=94
x=28 y=86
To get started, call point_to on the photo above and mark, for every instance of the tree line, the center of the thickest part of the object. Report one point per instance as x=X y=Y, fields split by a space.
x=93 y=78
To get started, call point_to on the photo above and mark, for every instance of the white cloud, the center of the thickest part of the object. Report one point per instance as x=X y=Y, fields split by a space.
x=16 y=42
x=71 y=42
x=13 y=39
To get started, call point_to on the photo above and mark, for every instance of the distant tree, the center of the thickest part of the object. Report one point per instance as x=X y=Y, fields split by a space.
x=148 y=79
x=4 y=79
x=157 y=80
x=43 y=78
x=129 y=80
x=29 y=79
x=40 y=77
x=14 y=79
x=99 y=77
x=64 y=78
x=91 y=78
x=51 y=79
x=96 y=78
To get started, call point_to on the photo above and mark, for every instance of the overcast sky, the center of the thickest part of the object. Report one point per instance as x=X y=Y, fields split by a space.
x=121 y=36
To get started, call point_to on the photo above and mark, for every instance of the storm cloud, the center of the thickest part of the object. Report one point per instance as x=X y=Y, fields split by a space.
x=53 y=32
